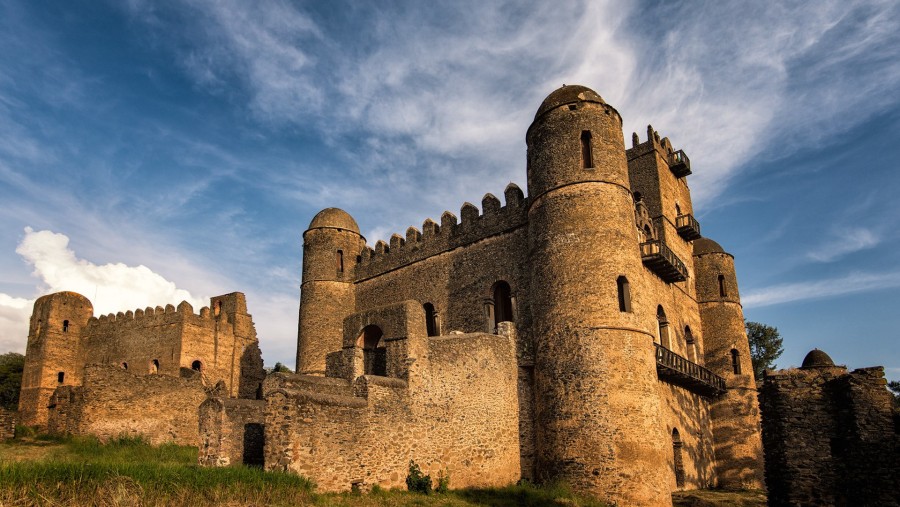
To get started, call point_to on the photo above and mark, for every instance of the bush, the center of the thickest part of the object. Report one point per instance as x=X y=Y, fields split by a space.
x=443 y=483
x=416 y=481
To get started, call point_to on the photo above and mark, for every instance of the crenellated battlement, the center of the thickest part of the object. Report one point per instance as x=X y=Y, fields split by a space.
x=473 y=225
x=151 y=316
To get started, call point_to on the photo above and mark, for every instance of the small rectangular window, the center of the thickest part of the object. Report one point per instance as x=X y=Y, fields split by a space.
x=340 y=261
x=587 y=158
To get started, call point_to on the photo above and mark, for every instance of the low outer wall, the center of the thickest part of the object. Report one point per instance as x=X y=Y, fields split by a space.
x=458 y=413
x=228 y=432
x=113 y=402
x=829 y=438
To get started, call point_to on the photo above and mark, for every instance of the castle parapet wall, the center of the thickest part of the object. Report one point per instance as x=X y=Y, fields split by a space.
x=452 y=233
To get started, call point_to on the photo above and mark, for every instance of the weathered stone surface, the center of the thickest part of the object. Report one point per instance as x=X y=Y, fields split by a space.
x=150 y=348
x=830 y=437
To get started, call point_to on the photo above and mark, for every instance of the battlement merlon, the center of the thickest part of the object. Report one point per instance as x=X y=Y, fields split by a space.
x=434 y=238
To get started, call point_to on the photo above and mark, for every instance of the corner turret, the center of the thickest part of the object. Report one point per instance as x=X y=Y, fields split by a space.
x=738 y=445
x=331 y=246
x=52 y=352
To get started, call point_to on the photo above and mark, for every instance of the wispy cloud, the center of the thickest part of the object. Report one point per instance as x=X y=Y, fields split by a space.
x=844 y=242
x=819 y=289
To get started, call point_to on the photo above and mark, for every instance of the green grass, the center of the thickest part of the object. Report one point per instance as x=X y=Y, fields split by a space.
x=50 y=471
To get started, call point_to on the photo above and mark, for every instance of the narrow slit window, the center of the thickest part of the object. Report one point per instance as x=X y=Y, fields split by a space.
x=722 y=290
x=430 y=319
x=587 y=159
x=736 y=361
x=65 y=326
x=340 y=261
x=60 y=377
x=624 y=290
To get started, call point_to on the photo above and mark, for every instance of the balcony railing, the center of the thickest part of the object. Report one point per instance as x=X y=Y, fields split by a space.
x=678 y=370
x=680 y=164
x=688 y=227
x=662 y=261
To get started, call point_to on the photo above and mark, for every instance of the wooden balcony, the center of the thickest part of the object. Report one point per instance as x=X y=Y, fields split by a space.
x=680 y=164
x=688 y=227
x=678 y=370
x=662 y=261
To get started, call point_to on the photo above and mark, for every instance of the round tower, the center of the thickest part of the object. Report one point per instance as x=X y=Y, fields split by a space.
x=330 y=248
x=736 y=425
x=598 y=425
x=52 y=352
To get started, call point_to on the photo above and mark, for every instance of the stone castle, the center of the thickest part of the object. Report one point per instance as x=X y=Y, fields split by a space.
x=585 y=332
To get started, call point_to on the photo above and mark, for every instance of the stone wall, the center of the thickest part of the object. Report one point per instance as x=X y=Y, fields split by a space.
x=231 y=432
x=113 y=402
x=8 y=421
x=456 y=411
x=829 y=437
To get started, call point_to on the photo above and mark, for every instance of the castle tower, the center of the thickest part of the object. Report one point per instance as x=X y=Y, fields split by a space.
x=51 y=356
x=330 y=249
x=597 y=403
x=736 y=426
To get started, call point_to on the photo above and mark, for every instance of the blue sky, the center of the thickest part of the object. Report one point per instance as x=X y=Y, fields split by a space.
x=157 y=151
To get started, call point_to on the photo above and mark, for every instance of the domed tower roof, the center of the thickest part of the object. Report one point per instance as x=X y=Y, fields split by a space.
x=334 y=218
x=817 y=359
x=568 y=95
x=706 y=245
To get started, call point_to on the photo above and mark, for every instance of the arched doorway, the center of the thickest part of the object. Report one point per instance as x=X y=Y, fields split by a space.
x=374 y=352
x=663 y=323
x=503 y=306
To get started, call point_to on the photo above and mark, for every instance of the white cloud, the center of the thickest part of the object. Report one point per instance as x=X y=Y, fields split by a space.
x=846 y=242
x=110 y=287
x=14 y=315
x=818 y=289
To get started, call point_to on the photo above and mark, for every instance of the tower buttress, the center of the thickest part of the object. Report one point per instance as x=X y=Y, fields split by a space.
x=596 y=396
x=736 y=424
x=331 y=245
x=52 y=352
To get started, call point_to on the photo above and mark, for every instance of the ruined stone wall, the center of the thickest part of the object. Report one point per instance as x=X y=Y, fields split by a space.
x=458 y=412
x=112 y=402
x=231 y=432
x=8 y=421
x=164 y=340
x=829 y=438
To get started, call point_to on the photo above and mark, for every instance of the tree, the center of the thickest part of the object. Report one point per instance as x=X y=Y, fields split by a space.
x=765 y=346
x=11 y=366
x=280 y=368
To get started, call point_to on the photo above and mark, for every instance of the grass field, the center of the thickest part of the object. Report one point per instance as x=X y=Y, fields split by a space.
x=127 y=472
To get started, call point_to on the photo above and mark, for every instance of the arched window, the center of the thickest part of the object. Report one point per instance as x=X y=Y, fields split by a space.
x=154 y=366
x=624 y=291
x=374 y=352
x=677 y=458
x=65 y=326
x=722 y=291
x=677 y=210
x=124 y=365
x=431 y=320
x=60 y=377
x=663 y=323
x=690 y=343
x=340 y=261
x=197 y=366
x=637 y=197
x=587 y=158
x=736 y=361
x=503 y=306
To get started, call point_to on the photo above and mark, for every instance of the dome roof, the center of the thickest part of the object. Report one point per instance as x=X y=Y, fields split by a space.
x=706 y=245
x=335 y=218
x=567 y=95
x=817 y=359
